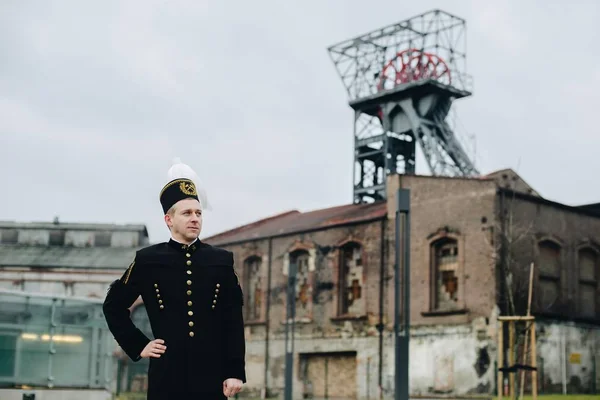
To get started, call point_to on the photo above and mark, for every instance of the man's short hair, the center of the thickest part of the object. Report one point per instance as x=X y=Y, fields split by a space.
x=171 y=210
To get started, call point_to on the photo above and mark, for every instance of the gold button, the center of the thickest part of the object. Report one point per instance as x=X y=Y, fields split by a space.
x=158 y=296
x=192 y=334
x=189 y=292
x=189 y=282
x=157 y=290
x=216 y=295
x=191 y=323
x=218 y=285
x=213 y=307
x=190 y=313
x=189 y=272
x=160 y=302
x=155 y=285
x=189 y=303
x=161 y=307
x=189 y=262
x=214 y=302
x=216 y=290
x=188 y=255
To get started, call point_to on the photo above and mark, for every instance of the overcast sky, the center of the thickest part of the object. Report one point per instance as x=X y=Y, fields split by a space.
x=96 y=98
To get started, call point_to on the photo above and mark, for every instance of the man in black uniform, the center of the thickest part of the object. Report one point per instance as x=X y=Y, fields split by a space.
x=194 y=303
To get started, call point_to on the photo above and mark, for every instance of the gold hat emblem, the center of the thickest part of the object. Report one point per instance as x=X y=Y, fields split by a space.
x=188 y=188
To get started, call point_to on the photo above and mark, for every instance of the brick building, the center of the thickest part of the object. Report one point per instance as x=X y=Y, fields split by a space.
x=471 y=239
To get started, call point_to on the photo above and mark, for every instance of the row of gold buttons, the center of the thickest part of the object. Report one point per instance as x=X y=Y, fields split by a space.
x=189 y=293
x=158 y=296
x=216 y=295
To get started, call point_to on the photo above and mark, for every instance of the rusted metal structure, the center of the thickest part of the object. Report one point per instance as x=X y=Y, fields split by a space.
x=401 y=81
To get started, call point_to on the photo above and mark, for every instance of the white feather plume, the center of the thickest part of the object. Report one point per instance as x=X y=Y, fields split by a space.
x=181 y=170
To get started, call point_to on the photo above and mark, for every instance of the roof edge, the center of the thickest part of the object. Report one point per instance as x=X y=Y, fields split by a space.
x=251 y=224
x=295 y=232
x=541 y=200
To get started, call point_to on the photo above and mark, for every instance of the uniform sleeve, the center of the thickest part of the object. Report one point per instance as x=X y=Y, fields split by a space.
x=120 y=296
x=234 y=329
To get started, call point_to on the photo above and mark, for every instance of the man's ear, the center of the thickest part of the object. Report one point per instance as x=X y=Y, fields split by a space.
x=168 y=220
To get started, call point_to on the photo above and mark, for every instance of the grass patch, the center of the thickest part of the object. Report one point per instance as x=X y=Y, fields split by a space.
x=563 y=397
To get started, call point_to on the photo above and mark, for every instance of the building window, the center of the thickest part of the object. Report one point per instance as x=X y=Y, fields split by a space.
x=303 y=284
x=253 y=288
x=351 y=280
x=102 y=239
x=588 y=282
x=57 y=238
x=9 y=236
x=445 y=267
x=549 y=275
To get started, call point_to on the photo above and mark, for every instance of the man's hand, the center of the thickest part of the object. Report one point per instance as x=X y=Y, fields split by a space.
x=154 y=349
x=231 y=387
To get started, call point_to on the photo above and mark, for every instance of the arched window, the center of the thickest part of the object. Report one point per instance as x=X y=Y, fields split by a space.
x=351 y=280
x=549 y=264
x=303 y=284
x=445 y=267
x=253 y=288
x=588 y=282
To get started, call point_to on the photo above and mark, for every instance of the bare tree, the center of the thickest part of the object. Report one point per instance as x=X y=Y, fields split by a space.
x=510 y=239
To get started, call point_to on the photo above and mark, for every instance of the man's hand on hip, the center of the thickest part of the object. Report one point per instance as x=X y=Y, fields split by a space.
x=231 y=387
x=154 y=349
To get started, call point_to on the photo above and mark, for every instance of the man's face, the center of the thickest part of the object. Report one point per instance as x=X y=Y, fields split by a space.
x=186 y=221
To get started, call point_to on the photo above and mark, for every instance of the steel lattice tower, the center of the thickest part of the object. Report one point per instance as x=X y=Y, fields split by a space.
x=401 y=81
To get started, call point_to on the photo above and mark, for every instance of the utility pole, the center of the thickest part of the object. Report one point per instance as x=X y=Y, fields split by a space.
x=289 y=332
x=402 y=320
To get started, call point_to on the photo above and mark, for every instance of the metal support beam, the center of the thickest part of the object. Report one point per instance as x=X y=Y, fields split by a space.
x=289 y=332
x=402 y=315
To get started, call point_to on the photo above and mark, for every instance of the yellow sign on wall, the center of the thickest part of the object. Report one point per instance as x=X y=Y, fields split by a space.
x=575 y=358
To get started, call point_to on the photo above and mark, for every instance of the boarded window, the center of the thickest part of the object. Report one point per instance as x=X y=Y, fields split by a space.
x=549 y=277
x=351 y=287
x=304 y=288
x=588 y=282
x=328 y=375
x=445 y=274
x=253 y=288
x=549 y=259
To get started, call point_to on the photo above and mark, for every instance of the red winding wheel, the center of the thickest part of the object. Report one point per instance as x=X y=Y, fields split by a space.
x=412 y=65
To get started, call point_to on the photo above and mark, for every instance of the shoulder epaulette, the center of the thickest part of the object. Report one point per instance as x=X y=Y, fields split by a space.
x=129 y=272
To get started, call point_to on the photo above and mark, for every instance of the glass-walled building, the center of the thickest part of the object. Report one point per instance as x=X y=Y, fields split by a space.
x=54 y=341
x=53 y=280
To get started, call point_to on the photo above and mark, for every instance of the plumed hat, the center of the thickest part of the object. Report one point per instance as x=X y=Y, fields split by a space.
x=182 y=183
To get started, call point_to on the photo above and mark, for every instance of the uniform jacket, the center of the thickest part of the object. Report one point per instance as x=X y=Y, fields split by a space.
x=194 y=303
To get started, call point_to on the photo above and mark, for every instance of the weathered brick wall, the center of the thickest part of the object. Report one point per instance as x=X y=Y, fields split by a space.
x=462 y=209
x=325 y=277
x=571 y=229
x=326 y=332
x=469 y=210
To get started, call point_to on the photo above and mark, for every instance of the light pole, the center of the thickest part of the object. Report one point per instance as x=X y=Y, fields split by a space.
x=289 y=333
x=402 y=320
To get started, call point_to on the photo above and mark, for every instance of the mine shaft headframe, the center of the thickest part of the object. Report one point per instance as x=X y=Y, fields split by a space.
x=428 y=46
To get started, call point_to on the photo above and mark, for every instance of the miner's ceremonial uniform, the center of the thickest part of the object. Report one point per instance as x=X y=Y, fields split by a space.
x=194 y=303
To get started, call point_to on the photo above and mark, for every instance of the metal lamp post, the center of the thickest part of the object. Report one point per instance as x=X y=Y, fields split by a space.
x=289 y=332
x=402 y=320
